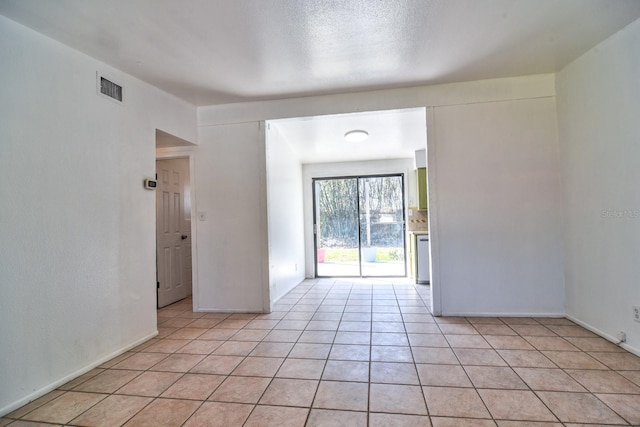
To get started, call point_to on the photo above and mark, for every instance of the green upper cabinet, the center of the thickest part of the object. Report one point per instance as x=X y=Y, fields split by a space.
x=422 y=187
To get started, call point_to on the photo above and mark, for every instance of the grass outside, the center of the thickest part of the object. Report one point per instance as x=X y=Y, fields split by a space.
x=351 y=255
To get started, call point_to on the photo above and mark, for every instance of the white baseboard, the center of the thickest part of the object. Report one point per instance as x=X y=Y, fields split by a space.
x=604 y=335
x=457 y=314
x=49 y=387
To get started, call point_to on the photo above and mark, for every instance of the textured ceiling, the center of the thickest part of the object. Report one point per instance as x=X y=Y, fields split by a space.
x=219 y=51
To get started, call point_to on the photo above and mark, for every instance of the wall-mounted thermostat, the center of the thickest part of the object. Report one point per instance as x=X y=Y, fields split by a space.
x=150 y=184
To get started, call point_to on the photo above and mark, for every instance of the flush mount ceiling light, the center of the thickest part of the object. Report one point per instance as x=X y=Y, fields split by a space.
x=356 y=136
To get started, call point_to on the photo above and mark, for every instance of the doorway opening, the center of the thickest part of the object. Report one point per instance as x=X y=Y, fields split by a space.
x=359 y=226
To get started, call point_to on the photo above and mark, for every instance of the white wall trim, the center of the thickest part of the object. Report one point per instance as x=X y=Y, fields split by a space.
x=264 y=219
x=432 y=217
x=182 y=153
x=49 y=387
x=604 y=335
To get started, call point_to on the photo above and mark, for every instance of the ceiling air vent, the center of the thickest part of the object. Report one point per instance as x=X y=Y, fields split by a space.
x=108 y=88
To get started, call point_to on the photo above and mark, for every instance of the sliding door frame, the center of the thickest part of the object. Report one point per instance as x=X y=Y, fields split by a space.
x=357 y=178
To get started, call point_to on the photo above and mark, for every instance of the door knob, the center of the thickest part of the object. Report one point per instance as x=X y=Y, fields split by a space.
x=184 y=236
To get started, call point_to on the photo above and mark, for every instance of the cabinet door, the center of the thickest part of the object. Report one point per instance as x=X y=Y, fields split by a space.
x=422 y=187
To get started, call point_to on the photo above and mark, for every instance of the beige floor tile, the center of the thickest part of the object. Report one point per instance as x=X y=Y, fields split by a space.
x=20 y=412
x=533 y=330
x=240 y=390
x=515 y=405
x=573 y=360
x=187 y=333
x=200 y=347
x=272 y=349
x=618 y=361
x=218 y=334
x=289 y=392
x=82 y=378
x=350 y=352
x=164 y=412
x=109 y=363
x=398 y=399
x=359 y=338
x=467 y=341
x=398 y=420
x=495 y=329
x=235 y=348
x=258 y=366
x=454 y=402
x=108 y=381
x=141 y=361
x=351 y=326
x=301 y=368
x=443 y=375
x=495 y=377
x=346 y=370
x=255 y=335
x=551 y=344
x=229 y=323
x=594 y=344
x=194 y=387
x=571 y=331
x=391 y=353
x=204 y=323
x=23 y=423
x=150 y=384
x=450 y=319
x=317 y=337
x=427 y=340
x=604 y=381
x=458 y=329
x=6 y=421
x=220 y=365
x=112 y=411
x=310 y=351
x=479 y=357
x=502 y=423
x=633 y=376
x=396 y=327
x=178 y=363
x=166 y=346
x=461 y=422
x=579 y=408
x=422 y=328
x=526 y=359
x=262 y=324
x=394 y=373
x=323 y=325
x=282 y=336
x=389 y=338
x=342 y=395
x=276 y=416
x=548 y=379
x=505 y=342
x=333 y=418
x=294 y=325
x=65 y=407
x=435 y=355
x=628 y=406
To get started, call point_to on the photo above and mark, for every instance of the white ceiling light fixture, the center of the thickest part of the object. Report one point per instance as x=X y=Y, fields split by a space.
x=356 y=135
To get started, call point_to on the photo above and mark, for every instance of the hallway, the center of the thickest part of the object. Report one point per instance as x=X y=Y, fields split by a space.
x=359 y=352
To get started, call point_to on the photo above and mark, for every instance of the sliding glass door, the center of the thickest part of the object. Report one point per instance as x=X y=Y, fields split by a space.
x=359 y=226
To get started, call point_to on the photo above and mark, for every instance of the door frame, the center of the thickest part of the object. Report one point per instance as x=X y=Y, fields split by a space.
x=172 y=153
x=357 y=178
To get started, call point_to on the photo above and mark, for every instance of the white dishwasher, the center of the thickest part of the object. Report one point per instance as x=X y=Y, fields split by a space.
x=423 y=258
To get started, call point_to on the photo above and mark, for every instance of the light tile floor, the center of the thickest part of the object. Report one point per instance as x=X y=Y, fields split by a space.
x=352 y=353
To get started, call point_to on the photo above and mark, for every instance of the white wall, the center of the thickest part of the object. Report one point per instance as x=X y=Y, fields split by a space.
x=497 y=204
x=232 y=247
x=285 y=215
x=505 y=280
x=327 y=170
x=598 y=111
x=77 y=227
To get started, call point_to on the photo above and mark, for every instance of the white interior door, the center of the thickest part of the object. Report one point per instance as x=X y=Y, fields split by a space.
x=173 y=222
